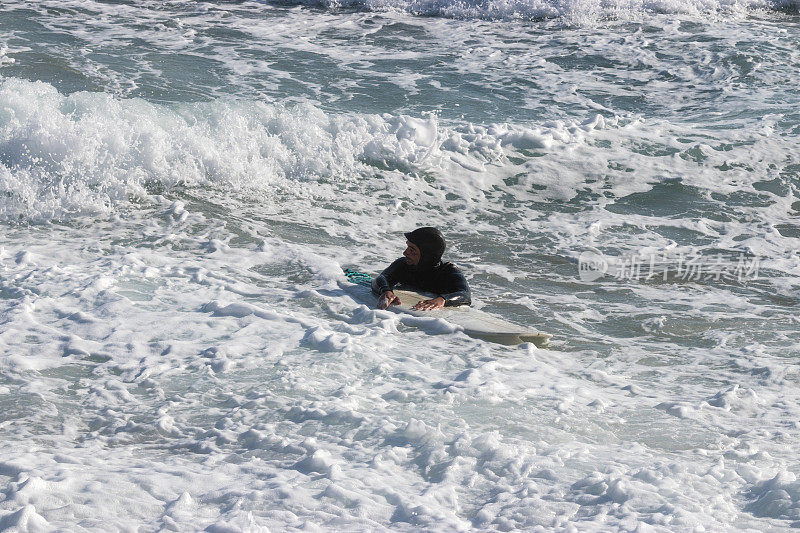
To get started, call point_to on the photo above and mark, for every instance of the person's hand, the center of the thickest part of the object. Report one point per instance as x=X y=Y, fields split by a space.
x=388 y=298
x=428 y=305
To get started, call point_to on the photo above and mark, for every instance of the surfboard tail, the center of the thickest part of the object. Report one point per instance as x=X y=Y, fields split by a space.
x=511 y=339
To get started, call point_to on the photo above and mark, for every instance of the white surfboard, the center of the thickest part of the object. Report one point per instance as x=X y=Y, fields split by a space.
x=473 y=322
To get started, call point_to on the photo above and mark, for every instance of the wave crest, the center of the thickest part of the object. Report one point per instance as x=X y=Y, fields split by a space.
x=87 y=153
x=571 y=11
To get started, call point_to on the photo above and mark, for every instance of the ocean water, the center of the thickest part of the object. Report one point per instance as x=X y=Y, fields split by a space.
x=182 y=182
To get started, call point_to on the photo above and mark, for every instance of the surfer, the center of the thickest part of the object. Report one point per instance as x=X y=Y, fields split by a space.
x=421 y=268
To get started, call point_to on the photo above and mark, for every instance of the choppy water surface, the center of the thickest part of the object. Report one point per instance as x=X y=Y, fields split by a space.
x=181 y=183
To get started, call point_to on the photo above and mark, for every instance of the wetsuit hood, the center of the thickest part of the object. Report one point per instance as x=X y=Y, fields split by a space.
x=431 y=246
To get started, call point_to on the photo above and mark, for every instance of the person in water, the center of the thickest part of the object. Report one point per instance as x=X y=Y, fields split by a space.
x=421 y=268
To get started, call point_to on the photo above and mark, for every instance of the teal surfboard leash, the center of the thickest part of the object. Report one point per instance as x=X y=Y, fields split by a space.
x=359 y=278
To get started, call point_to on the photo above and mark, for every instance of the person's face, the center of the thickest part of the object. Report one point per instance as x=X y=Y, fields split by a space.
x=412 y=254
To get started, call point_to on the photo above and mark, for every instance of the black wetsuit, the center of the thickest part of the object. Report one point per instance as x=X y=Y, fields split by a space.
x=444 y=279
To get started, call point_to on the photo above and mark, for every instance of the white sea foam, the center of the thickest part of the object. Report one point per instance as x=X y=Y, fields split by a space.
x=235 y=386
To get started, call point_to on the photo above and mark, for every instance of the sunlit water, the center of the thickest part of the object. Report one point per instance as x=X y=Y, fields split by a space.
x=181 y=184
